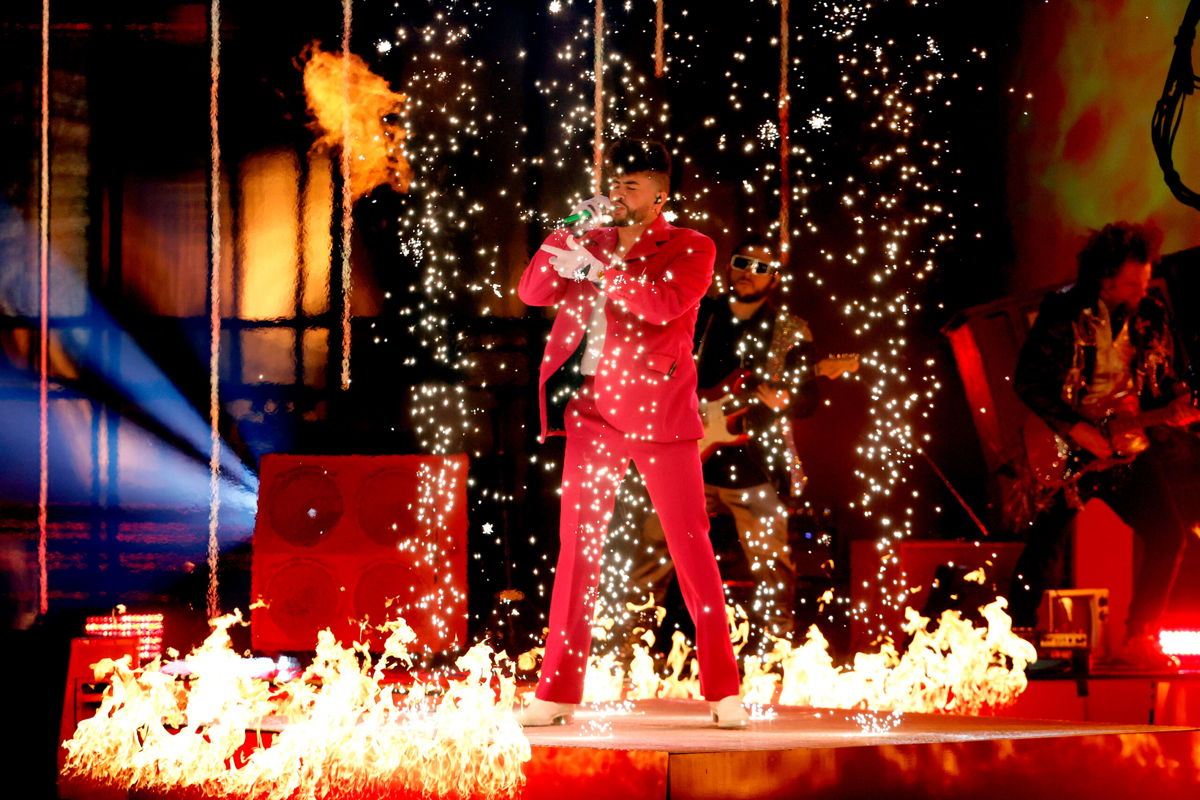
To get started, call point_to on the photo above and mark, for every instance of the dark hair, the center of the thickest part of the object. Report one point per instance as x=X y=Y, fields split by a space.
x=625 y=156
x=757 y=240
x=1107 y=250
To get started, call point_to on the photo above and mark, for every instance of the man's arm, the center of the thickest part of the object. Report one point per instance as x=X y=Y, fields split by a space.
x=1042 y=368
x=541 y=285
x=794 y=393
x=669 y=297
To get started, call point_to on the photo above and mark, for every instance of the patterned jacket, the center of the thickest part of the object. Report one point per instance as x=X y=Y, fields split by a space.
x=1057 y=361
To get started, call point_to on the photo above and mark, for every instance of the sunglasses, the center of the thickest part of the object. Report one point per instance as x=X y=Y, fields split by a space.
x=748 y=264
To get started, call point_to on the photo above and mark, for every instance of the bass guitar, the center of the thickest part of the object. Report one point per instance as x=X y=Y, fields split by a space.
x=722 y=405
x=1055 y=461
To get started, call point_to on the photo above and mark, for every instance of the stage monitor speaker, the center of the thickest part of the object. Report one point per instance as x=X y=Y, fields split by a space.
x=346 y=542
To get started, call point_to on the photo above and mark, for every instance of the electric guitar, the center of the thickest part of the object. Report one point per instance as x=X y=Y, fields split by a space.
x=1055 y=461
x=722 y=405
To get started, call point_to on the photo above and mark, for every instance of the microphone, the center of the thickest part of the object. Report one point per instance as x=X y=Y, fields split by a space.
x=571 y=220
x=588 y=209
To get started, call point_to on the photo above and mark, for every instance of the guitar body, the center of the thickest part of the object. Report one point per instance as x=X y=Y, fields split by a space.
x=719 y=421
x=721 y=406
x=1048 y=456
x=1126 y=427
x=717 y=433
x=1055 y=462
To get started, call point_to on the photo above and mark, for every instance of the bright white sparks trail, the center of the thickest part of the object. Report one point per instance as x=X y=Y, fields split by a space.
x=866 y=179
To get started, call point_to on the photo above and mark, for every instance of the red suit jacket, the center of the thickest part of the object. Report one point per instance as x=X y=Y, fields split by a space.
x=646 y=377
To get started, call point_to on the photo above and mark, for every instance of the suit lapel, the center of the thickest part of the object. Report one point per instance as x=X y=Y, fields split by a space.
x=602 y=242
x=650 y=241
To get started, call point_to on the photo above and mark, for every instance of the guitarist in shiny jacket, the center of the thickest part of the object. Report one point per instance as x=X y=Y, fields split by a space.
x=1099 y=350
x=749 y=346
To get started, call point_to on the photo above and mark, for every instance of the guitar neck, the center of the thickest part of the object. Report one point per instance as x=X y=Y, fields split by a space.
x=1146 y=419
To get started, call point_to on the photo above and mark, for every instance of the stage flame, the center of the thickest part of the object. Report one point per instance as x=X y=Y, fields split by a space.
x=344 y=733
x=350 y=103
x=956 y=668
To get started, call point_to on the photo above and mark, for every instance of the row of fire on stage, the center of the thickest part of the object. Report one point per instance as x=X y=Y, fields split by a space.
x=367 y=538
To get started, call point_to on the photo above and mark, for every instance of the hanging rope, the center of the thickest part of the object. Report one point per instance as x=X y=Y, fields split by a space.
x=785 y=101
x=214 y=308
x=659 y=59
x=598 y=101
x=347 y=196
x=44 y=322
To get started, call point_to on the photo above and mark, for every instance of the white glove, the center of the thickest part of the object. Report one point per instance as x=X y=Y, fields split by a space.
x=592 y=212
x=574 y=262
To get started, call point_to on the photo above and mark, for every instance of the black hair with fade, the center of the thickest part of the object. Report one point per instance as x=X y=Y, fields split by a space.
x=626 y=156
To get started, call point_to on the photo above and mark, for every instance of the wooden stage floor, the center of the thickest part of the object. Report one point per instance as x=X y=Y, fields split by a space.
x=668 y=748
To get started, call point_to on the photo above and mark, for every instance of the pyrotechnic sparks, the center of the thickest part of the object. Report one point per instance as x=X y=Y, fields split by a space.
x=871 y=722
x=883 y=186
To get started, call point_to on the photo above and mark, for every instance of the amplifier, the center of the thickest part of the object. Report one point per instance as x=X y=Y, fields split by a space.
x=1076 y=619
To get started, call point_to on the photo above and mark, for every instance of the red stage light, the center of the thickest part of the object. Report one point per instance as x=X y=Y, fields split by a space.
x=147 y=628
x=1180 y=642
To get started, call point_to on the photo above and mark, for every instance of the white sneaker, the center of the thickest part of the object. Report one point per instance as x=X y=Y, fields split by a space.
x=729 y=713
x=538 y=712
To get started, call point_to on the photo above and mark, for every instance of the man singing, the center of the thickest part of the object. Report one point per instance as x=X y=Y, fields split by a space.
x=619 y=381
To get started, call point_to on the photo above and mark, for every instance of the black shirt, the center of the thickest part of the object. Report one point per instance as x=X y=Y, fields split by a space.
x=724 y=344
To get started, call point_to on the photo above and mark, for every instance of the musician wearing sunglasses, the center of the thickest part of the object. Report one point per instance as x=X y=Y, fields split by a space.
x=1099 y=372
x=755 y=373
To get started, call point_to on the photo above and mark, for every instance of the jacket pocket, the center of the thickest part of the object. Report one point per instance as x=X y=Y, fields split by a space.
x=660 y=362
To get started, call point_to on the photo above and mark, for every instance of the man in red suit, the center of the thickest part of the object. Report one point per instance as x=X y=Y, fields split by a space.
x=619 y=381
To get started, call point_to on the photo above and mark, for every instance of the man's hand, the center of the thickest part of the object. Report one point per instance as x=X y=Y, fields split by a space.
x=1090 y=438
x=774 y=399
x=592 y=212
x=575 y=262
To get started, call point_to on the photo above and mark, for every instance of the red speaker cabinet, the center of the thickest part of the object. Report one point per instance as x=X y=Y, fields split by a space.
x=345 y=542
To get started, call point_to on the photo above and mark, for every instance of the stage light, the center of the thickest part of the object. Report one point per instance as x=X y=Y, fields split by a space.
x=1180 y=642
x=163 y=443
x=146 y=628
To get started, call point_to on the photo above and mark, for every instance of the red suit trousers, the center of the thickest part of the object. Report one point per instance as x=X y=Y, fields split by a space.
x=597 y=456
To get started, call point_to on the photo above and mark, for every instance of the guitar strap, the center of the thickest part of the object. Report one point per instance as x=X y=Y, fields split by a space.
x=789 y=331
